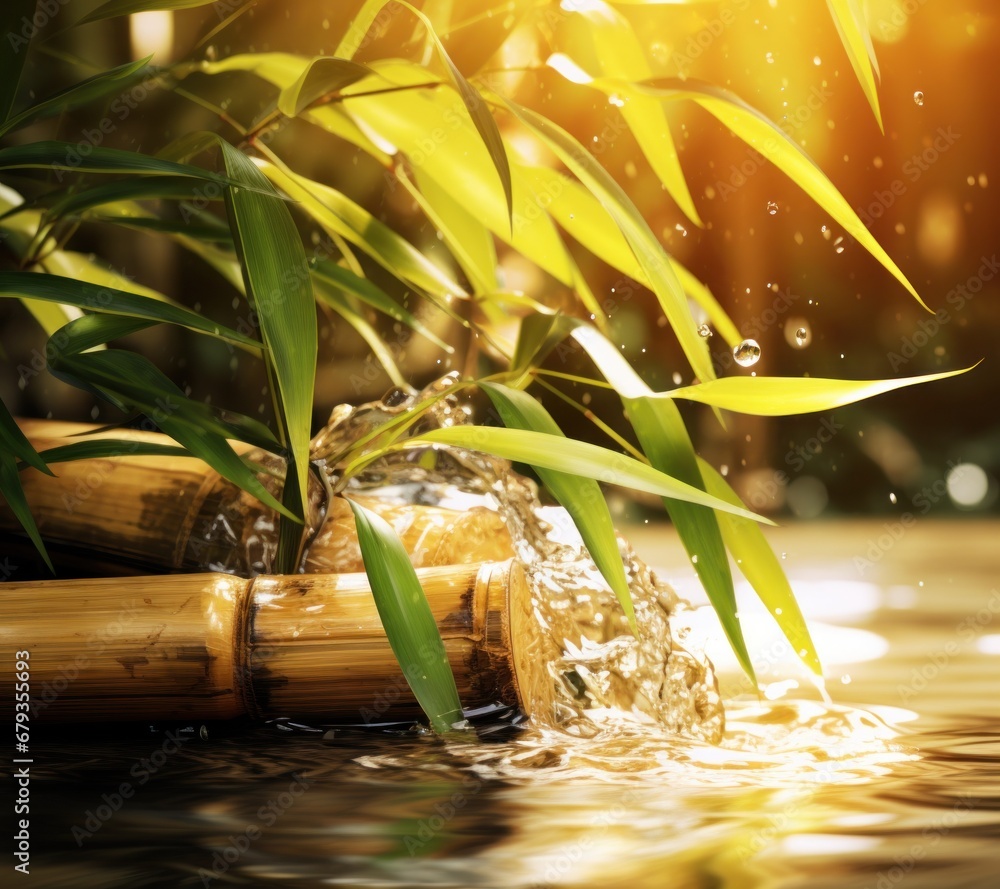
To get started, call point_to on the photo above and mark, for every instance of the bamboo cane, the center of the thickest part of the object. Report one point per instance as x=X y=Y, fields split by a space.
x=214 y=646
x=151 y=514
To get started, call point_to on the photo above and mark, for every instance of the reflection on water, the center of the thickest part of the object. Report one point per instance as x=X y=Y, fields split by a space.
x=896 y=784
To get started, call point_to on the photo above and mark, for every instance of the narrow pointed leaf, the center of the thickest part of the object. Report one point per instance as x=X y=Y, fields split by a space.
x=79 y=94
x=107 y=300
x=786 y=396
x=104 y=448
x=408 y=621
x=12 y=491
x=339 y=214
x=575 y=457
x=762 y=569
x=277 y=278
x=620 y=54
x=580 y=497
x=322 y=76
x=377 y=298
x=666 y=443
x=647 y=248
x=773 y=143
x=13 y=14
x=13 y=441
x=853 y=29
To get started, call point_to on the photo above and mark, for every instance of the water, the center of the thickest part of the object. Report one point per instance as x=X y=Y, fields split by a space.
x=747 y=353
x=632 y=778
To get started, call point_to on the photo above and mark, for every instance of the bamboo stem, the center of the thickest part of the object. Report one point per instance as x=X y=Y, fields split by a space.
x=213 y=646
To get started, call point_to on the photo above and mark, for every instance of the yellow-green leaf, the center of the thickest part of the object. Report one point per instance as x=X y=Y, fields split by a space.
x=786 y=396
x=853 y=29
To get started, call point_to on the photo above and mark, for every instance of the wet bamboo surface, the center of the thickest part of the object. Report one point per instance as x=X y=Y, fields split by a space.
x=213 y=646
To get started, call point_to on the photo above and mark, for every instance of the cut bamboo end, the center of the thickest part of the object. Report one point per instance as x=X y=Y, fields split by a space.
x=212 y=646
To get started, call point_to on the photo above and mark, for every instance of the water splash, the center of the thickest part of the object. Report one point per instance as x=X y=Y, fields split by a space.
x=619 y=706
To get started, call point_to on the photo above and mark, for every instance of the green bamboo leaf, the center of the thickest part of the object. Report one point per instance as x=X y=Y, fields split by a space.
x=357 y=31
x=575 y=457
x=135 y=384
x=13 y=441
x=115 y=8
x=664 y=440
x=87 y=332
x=12 y=491
x=468 y=240
x=213 y=231
x=762 y=569
x=64 y=156
x=581 y=497
x=347 y=310
x=636 y=230
x=321 y=76
x=765 y=137
x=786 y=396
x=619 y=53
x=853 y=29
x=107 y=300
x=277 y=278
x=72 y=202
x=481 y=115
x=377 y=298
x=104 y=448
x=408 y=621
x=583 y=217
x=342 y=216
x=13 y=14
x=79 y=94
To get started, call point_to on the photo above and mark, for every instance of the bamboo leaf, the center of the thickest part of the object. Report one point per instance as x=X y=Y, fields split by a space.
x=104 y=448
x=13 y=441
x=666 y=443
x=377 y=298
x=643 y=242
x=13 y=14
x=12 y=491
x=620 y=54
x=786 y=396
x=115 y=8
x=321 y=76
x=277 y=278
x=760 y=566
x=135 y=384
x=853 y=29
x=575 y=457
x=342 y=216
x=481 y=115
x=79 y=94
x=765 y=137
x=108 y=300
x=357 y=31
x=64 y=156
x=581 y=497
x=408 y=621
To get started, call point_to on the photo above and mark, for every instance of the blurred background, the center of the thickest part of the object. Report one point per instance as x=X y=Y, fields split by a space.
x=787 y=275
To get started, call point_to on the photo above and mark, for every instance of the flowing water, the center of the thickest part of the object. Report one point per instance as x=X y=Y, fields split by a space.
x=651 y=768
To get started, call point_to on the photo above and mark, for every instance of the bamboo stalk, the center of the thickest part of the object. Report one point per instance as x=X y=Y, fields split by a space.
x=151 y=514
x=214 y=646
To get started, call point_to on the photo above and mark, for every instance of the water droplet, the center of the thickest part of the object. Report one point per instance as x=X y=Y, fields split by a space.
x=694 y=559
x=677 y=378
x=704 y=330
x=892 y=497
x=918 y=97
x=772 y=207
x=846 y=679
x=210 y=53
x=747 y=353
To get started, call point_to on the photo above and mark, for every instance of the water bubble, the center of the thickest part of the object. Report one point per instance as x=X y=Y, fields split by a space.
x=801 y=336
x=772 y=207
x=210 y=53
x=677 y=378
x=892 y=497
x=704 y=330
x=747 y=353
x=798 y=333
x=918 y=97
